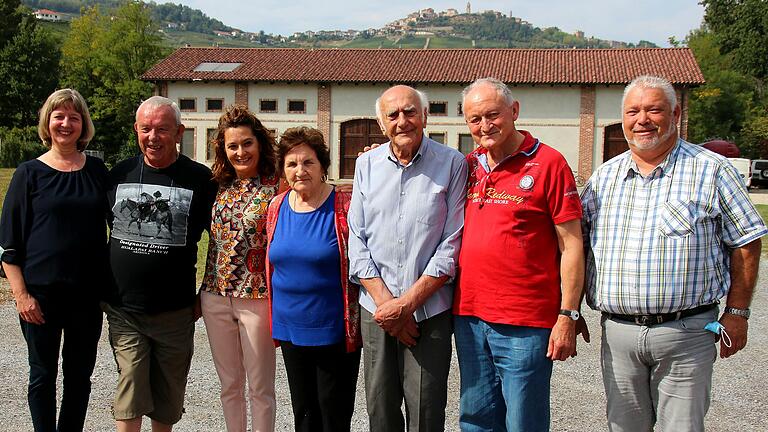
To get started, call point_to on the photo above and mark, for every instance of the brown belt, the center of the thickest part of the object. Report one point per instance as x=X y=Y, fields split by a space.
x=649 y=320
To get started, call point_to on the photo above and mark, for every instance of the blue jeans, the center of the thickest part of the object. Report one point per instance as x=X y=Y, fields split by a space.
x=505 y=376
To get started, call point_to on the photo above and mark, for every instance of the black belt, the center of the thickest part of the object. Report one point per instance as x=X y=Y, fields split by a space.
x=649 y=320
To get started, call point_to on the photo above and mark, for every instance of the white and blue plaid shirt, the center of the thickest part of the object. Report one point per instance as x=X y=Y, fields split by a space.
x=661 y=243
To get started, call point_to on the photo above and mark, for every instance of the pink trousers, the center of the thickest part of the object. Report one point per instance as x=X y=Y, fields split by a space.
x=241 y=344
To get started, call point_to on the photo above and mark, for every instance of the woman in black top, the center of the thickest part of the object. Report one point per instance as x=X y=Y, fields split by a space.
x=53 y=238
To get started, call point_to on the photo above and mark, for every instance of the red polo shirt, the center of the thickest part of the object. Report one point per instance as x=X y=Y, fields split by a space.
x=510 y=261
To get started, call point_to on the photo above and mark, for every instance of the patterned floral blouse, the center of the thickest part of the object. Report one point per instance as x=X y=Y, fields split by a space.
x=238 y=242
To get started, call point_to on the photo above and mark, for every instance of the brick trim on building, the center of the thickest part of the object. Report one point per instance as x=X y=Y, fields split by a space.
x=586 y=133
x=324 y=111
x=241 y=93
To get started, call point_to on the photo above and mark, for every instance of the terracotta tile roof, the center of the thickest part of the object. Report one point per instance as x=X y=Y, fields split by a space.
x=514 y=66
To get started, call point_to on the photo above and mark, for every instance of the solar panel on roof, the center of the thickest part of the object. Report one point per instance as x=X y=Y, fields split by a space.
x=217 y=67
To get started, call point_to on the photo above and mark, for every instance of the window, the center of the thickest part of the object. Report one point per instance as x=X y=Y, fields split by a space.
x=437 y=136
x=297 y=106
x=438 y=108
x=214 y=104
x=466 y=143
x=460 y=109
x=187 y=144
x=188 y=104
x=267 y=105
x=210 y=152
x=217 y=67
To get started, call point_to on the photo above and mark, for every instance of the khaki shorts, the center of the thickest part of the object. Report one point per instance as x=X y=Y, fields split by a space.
x=153 y=354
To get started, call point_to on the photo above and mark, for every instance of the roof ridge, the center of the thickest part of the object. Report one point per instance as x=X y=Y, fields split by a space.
x=511 y=65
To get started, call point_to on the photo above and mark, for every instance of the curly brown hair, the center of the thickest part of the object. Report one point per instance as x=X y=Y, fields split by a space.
x=236 y=116
x=297 y=136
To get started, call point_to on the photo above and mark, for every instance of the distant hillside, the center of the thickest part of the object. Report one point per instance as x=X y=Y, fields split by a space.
x=182 y=25
x=184 y=17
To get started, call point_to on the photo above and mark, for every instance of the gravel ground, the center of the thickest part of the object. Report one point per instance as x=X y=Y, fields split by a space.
x=578 y=401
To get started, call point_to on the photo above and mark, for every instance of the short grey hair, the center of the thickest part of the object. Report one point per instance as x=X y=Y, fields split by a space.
x=499 y=86
x=652 y=82
x=423 y=100
x=160 y=101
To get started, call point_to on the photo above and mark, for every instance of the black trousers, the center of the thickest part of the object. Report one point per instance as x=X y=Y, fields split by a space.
x=79 y=323
x=323 y=382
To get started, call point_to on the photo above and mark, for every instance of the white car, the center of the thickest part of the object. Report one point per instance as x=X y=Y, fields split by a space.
x=744 y=166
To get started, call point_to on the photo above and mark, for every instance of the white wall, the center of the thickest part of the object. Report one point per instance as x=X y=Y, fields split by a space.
x=550 y=113
x=200 y=120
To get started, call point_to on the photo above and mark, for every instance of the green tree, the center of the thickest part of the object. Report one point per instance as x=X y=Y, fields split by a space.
x=741 y=29
x=719 y=108
x=18 y=145
x=28 y=72
x=754 y=137
x=10 y=19
x=104 y=58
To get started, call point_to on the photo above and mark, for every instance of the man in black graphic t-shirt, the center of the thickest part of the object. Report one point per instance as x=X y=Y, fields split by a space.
x=151 y=308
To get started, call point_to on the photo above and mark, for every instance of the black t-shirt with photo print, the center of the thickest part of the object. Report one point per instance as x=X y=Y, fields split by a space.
x=158 y=216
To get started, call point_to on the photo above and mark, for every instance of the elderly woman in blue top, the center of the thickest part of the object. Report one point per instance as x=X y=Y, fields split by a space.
x=315 y=309
x=54 y=235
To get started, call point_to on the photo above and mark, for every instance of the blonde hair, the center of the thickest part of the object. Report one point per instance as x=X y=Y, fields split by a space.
x=71 y=98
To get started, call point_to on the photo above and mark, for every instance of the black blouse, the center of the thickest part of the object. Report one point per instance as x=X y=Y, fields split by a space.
x=53 y=225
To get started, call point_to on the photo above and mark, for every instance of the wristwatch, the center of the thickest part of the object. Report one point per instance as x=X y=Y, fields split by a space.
x=573 y=314
x=744 y=313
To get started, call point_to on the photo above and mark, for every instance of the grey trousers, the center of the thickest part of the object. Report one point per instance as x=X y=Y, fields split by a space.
x=658 y=375
x=419 y=375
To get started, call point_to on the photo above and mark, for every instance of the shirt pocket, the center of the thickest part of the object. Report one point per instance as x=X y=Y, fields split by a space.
x=431 y=208
x=678 y=218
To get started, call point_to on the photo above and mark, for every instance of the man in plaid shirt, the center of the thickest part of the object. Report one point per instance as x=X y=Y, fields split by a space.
x=669 y=230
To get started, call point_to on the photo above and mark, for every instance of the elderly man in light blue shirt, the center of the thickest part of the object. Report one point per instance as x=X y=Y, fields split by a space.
x=405 y=223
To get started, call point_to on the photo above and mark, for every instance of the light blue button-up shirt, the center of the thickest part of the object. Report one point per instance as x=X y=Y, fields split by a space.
x=405 y=221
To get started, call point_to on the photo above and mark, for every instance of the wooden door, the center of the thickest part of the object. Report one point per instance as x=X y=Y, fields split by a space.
x=615 y=143
x=356 y=134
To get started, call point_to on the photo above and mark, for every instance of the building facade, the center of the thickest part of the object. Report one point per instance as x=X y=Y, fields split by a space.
x=570 y=99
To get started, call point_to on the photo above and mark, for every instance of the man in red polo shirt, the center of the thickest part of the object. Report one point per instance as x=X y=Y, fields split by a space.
x=522 y=268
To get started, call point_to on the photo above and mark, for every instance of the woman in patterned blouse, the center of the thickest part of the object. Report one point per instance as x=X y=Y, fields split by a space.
x=234 y=292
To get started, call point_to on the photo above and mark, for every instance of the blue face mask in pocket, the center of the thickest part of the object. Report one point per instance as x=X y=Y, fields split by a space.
x=719 y=329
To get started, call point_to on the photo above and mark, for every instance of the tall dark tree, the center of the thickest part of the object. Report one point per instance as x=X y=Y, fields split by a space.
x=28 y=72
x=10 y=19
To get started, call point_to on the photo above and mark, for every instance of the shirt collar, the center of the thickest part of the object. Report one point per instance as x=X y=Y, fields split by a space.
x=528 y=148
x=416 y=158
x=665 y=168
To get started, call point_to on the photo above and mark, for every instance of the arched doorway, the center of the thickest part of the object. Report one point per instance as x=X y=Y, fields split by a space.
x=356 y=134
x=614 y=143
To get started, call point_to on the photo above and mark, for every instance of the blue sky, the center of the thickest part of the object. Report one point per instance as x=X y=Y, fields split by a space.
x=624 y=20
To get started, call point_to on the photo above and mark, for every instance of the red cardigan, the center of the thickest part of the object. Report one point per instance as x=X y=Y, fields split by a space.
x=350 y=291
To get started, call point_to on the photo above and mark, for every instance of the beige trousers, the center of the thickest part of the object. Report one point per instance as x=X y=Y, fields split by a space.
x=241 y=345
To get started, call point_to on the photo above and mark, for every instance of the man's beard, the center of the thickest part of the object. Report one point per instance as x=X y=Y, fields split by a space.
x=653 y=142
